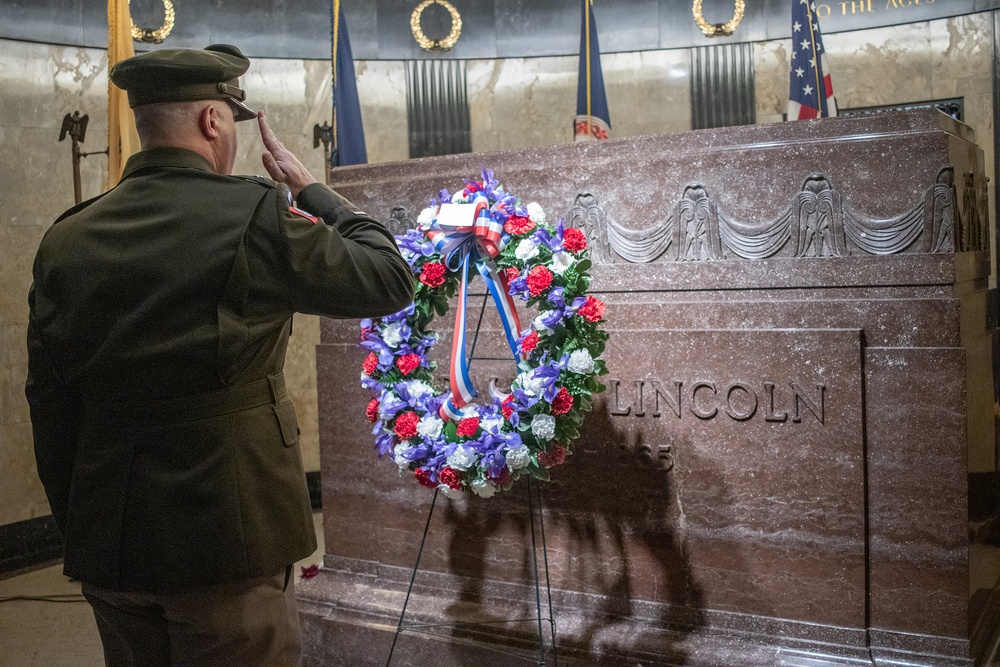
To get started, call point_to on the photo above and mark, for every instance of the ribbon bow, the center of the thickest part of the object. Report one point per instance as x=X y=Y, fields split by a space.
x=466 y=235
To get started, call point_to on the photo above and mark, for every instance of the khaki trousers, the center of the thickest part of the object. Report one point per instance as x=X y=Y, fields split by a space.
x=252 y=623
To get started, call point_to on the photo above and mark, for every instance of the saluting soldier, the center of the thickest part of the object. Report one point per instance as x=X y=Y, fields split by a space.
x=160 y=314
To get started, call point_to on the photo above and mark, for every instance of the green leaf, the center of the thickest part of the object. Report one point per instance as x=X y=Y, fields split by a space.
x=537 y=471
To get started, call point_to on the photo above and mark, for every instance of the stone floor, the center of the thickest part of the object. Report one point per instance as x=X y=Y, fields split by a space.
x=59 y=631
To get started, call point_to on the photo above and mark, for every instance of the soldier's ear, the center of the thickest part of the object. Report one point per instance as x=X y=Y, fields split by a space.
x=209 y=121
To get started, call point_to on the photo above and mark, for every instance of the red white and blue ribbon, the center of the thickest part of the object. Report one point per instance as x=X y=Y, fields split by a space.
x=466 y=235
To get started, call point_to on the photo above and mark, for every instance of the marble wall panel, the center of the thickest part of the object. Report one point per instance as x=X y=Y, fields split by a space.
x=41 y=84
x=520 y=102
x=382 y=91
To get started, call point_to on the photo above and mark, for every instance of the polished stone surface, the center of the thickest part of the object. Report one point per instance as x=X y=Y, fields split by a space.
x=777 y=472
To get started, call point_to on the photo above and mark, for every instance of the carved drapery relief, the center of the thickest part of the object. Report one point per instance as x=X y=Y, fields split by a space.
x=817 y=223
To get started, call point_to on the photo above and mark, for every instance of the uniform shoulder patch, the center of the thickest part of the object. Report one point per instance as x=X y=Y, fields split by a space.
x=300 y=212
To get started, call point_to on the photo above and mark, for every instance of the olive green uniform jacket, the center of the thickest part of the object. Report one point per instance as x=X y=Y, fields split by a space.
x=160 y=315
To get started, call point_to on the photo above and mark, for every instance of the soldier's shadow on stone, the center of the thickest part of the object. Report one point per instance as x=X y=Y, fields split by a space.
x=621 y=579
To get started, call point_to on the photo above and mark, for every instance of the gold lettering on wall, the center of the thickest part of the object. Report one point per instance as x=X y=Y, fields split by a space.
x=857 y=6
x=865 y=7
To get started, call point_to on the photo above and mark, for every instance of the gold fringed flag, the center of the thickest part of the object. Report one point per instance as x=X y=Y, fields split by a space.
x=122 y=138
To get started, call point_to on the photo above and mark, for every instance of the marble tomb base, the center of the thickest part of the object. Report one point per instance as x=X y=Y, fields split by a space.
x=784 y=468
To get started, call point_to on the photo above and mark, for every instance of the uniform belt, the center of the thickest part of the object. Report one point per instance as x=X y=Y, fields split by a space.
x=267 y=391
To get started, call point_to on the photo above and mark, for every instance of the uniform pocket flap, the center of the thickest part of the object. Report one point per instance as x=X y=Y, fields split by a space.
x=289 y=422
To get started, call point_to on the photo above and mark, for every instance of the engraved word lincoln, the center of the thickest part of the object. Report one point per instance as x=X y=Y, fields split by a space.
x=706 y=400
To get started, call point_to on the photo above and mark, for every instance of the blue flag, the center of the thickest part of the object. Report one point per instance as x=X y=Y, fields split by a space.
x=592 y=118
x=348 y=132
x=810 y=92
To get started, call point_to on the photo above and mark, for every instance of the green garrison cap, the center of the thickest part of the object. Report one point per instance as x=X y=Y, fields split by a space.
x=185 y=75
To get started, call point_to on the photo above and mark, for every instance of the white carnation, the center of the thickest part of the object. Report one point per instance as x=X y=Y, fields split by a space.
x=518 y=457
x=398 y=455
x=535 y=212
x=580 y=361
x=430 y=426
x=419 y=388
x=526 y=249
x=426 y=217
x=533 y=386
x=538 y=324
x=561 y=261
x=391 y=334
x=543 y=427
x=462 y=458
x=482 y=488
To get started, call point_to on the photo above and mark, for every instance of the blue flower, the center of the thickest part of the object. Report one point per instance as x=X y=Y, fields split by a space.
x=384 y=444
x=385 y=356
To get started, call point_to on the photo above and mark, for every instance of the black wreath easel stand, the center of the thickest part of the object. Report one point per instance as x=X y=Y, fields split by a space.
x=417 y=627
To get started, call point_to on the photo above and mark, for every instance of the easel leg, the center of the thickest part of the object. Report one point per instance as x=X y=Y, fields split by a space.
x=548 y=588
x=413 y=575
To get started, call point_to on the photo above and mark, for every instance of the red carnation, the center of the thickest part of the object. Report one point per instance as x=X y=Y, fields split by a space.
x=501 y=478
x=539 y=279
x=467 y=427
x=370 y=364
x=372 y=410
x=529 y=342
x=406 y=424
x=554 y=458
x=451 y=477
x=592 y=310
x=507 y=406
x=432 y=274
x=310 y=571
x=517 y=224
x=423 y=476
x=574 y=240
x=408 y=363
x=563 y=401
x=510 y=273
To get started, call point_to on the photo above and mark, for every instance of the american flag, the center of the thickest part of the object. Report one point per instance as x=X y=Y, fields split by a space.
x=810 y=92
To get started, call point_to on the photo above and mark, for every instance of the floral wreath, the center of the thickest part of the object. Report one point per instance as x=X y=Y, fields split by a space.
x=446 y=441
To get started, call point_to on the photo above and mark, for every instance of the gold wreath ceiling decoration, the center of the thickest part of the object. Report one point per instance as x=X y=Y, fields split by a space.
x=156 y=36
x=718 y=29
x=425 y=42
